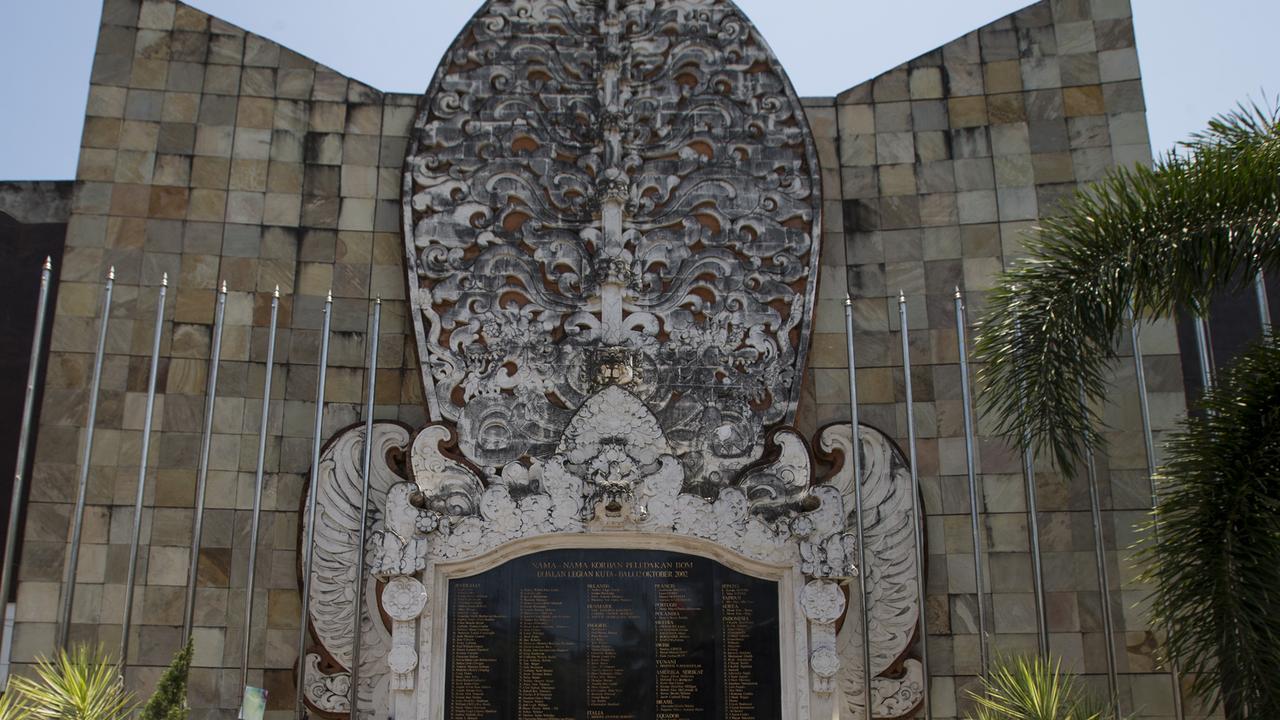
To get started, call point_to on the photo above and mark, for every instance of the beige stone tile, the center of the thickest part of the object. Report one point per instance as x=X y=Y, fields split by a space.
x=1004 y=76
x=105 y=101
x=168 y=202
x=1084 y=100
x=210 y=172
x=284 y=177
x=359 y=182
x=173 y=170
x=255 y=112
x=213 y=140
x=364 y=119
x=1053 y=168
x=207 y=205
x=897 y=180
x=181 y=108
x=926 y=83
x=328 y=117
x=149 y=74
x=1006 y=108
x=134 y=166
x=967 y=111
x=856 y=120
x=248 y=175
x=101 y=133
x=96 y=164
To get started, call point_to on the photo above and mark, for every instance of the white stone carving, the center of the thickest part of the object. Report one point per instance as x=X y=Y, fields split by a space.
x=335 y=566
x=404 y=599
x=891 y=574
x=612 y=192
x=823 y=603
x=612 y=214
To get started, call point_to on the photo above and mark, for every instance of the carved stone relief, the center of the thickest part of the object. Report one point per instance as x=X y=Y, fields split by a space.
x=612 y=221
x=601 y=481
x=612 y=192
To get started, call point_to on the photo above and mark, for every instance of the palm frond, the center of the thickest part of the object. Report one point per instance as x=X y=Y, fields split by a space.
x=1151 y=238
x=1216 y=569
x=1033 y=689
x=12 y=707
x=82 y=684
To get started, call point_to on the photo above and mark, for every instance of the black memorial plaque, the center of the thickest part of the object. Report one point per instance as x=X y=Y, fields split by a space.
x=612 y=635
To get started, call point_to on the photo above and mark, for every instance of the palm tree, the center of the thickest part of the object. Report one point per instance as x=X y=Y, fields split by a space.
x=1216 y=569
x=1198 y=223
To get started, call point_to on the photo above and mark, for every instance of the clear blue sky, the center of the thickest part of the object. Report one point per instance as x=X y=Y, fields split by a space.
x=1199 y=57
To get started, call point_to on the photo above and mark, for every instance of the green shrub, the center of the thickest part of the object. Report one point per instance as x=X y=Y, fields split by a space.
x=82 y=684
x=1033 y=689
x=169 y=701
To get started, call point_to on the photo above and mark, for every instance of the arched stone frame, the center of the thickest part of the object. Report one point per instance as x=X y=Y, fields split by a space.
x=451 y=513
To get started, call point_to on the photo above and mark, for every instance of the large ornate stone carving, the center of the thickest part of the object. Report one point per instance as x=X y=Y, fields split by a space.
x=606 y=192
x=611 y=216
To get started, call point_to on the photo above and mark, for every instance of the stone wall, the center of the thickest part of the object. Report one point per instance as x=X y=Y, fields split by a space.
x=933 y=172
x=212 y=154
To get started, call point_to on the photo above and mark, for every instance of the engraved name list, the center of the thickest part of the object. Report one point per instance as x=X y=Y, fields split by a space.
x=612 y=635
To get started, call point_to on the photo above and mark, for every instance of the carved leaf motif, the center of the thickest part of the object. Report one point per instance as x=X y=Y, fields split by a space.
x=893 y=601
x=339 y=489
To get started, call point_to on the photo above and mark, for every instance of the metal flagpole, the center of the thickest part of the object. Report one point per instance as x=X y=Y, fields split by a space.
x=310 y=518
x=24 y=436
x=1260 y=293
x=975 y=497
x=1264 y=305
x=202 y=474
x=1104 y=579
x=856 y=450
x=1033 y=533
x=1149 y=442
x=77 y=518
x=140 y=496
x=1203 y=352
x=365 y=464
x=247 y=632
x=918 y=525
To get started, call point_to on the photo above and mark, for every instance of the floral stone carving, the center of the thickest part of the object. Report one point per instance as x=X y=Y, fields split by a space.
x=612 y=192
x=612 y=214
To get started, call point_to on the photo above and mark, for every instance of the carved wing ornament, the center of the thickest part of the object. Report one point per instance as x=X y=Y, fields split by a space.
x=612 y=215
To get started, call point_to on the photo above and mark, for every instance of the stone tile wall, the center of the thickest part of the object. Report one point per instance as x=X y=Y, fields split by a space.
x=933 y=172
x=212 y=154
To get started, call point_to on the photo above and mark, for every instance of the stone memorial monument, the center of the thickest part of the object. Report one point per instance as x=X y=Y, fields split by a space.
x=585 y=298
x=612 y=217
